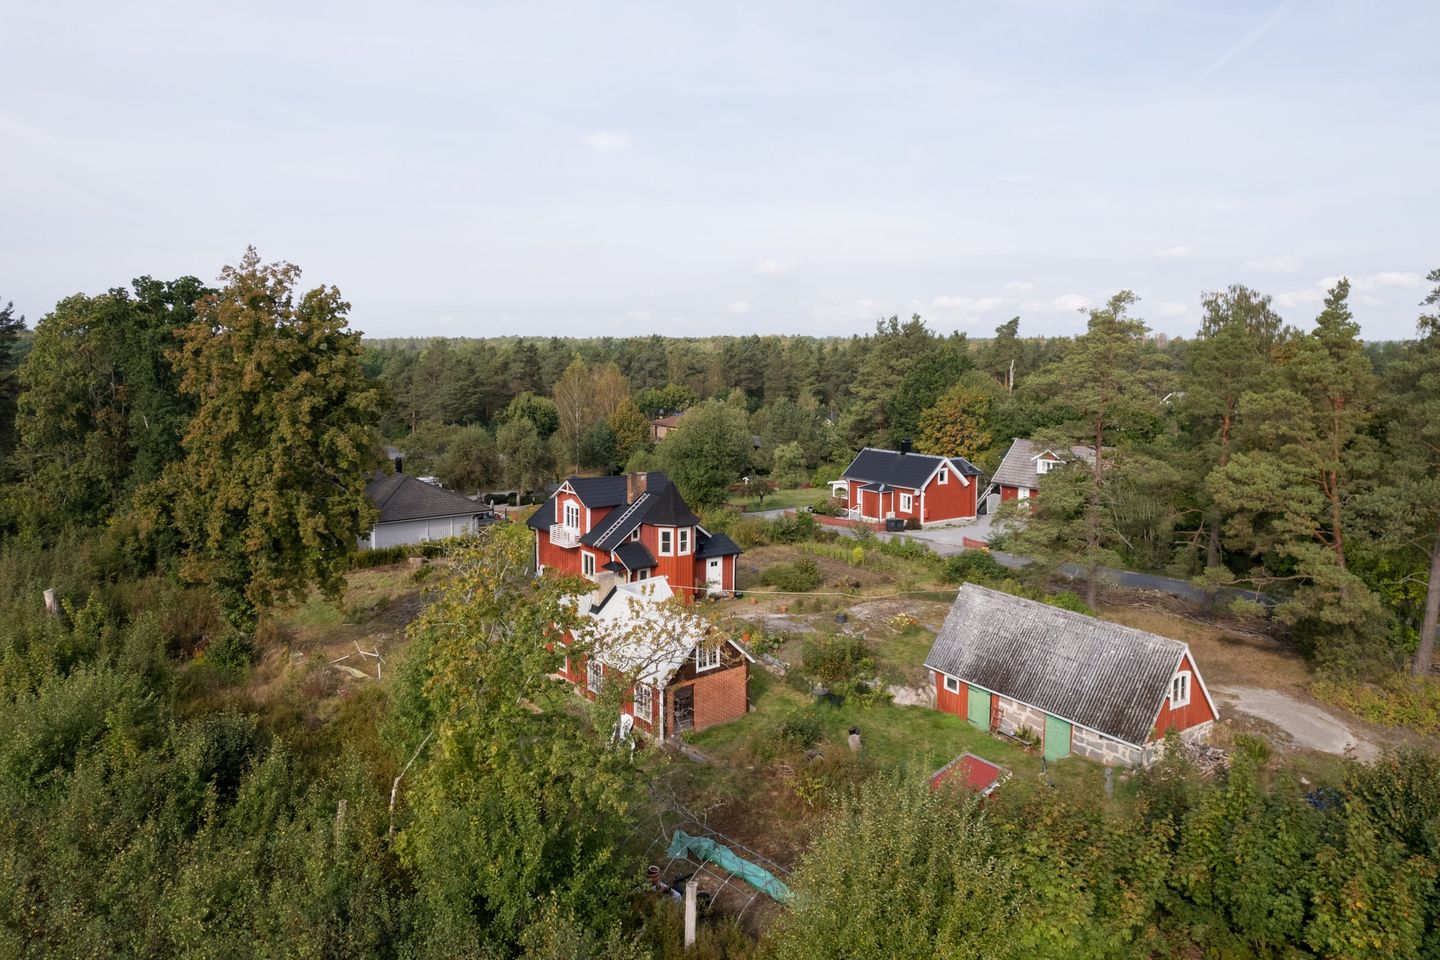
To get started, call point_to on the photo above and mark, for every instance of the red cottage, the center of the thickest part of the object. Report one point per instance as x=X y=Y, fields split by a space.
x=681 y=676
x=1076 y=683
x=636 y=527
x=1018 y=477
x=898 y=484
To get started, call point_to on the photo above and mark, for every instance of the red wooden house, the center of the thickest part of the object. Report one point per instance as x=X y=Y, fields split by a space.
x=680 y=675
x=1018 y=476
x=898 y=484
x=1079 y=684
x=636 y=527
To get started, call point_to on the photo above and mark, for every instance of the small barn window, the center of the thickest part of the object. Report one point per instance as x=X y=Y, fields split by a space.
x=594 y=675
x=907 y=503
x=644 y=702
x=952 y=685
x=707 y=657
x=1180 y=689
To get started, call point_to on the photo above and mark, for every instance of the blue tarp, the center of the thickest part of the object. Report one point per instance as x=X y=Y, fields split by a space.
x=708 y=851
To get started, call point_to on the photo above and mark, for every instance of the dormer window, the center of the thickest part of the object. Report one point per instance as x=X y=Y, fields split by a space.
x=1180 y=689
x=667 y=542
x=1043 y=465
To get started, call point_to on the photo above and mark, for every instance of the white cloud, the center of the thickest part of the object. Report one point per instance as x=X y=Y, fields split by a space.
x=739 y=306
x=1067 y=301
x=969 y=304
x=1174 y=253
x=1284 y=263
x=1297 y=298
x=607 y=141
x=1167 y=308
x=1020 y=286
x=1385 y=279
x=771 y=267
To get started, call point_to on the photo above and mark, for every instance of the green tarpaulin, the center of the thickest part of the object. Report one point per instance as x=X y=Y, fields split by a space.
x=708 y=851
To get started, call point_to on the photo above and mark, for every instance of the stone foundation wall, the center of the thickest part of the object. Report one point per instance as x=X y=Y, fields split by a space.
x=1096 y=746
x=1015 y=716
x=1197 y=734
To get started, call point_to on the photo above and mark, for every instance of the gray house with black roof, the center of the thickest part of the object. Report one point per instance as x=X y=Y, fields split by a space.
x=413 y=511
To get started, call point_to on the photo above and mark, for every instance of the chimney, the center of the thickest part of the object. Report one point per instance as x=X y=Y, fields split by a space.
x=635 y=485
x=605 y=581
x=904 y=446
x=399 y=464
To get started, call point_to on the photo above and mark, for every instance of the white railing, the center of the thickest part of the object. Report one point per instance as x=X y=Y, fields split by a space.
x=563 y=536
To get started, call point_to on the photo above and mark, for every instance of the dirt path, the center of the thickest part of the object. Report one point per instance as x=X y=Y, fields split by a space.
x=1308 y=726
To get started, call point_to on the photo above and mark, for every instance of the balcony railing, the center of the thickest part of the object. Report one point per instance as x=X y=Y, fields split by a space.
x=563 y=536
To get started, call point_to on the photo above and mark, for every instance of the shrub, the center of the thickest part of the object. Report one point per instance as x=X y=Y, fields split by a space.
x=912 y=523
x=798 y=577
x=1398 y=700
x=801 y=730
x=973 y=566
x=1070 y=600
x=829 y=507
x=792 y=529
x=842 y=663
x=750 y=532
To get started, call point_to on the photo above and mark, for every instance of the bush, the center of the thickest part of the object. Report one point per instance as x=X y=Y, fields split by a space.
x=801 y=730
x=792 y=529
x=840 y=662
x=972 y=566
x=798 y=577
x=1070 y=600
x=1399 y=700
x=829 y=507
x=912 y=523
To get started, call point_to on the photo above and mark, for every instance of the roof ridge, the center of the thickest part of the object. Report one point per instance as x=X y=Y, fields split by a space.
x=1072 y=615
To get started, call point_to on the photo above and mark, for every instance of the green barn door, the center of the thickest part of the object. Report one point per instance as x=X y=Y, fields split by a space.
x=1057 y=738
x=979 y=708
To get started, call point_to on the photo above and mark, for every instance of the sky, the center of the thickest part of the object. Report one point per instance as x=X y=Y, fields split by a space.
x=539 y=168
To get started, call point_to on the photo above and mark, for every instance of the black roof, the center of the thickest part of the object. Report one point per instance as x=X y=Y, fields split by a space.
x=715 y=545
x=401 y=497
x=602 y=491
x=1088 y=671
x=543 y=516
x=633 y=554
x=909 y=470
x=660 y=504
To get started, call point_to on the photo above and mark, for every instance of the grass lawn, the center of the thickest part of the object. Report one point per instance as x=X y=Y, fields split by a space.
x=792 y=499
x=921 y=739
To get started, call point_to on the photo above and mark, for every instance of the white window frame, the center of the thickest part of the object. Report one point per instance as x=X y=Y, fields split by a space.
x=587 y=560
x=1044 y=465
x=594 y=675
x=635 y=534
x=572 y=519
x=944 y=475
x=1024 y=493
x=952 y=684
x=666 y=537
x=707 y=657
x=643 y=704
x=642 y=574
x=682 y=541
x=1181 y=687
x=907 y=503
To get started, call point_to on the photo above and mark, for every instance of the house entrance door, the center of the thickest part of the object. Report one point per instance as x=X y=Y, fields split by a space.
x=685 y=708
x=715 y=573
x=978 y=708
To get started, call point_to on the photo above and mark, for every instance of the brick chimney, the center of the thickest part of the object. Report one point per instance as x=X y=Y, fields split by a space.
x=635 y=485
x=904 y=446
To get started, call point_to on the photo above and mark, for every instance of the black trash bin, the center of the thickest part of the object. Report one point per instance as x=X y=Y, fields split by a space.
x=894 y=524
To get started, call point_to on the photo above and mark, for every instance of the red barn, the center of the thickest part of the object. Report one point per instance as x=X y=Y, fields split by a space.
x=898 y=484
x=680 y=676
x=1079 y=684
x=636 y=527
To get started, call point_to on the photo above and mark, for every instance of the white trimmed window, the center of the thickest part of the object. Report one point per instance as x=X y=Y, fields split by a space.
x=944 y=475
x=907 y=503
x=642 y=575
x=1024 y=493
x=635 y=534
x=587 y=563
x=1180 y=689
x=1043 y=465
x=572 y=515
x=707 y=657
x=667 y=542
x=644 y=706
x=682 y=541
x=594 y=675
x=952 y=685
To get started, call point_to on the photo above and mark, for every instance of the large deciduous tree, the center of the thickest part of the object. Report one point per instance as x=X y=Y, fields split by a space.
x=270 y=496
x=707 y=451
x=956 y=424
